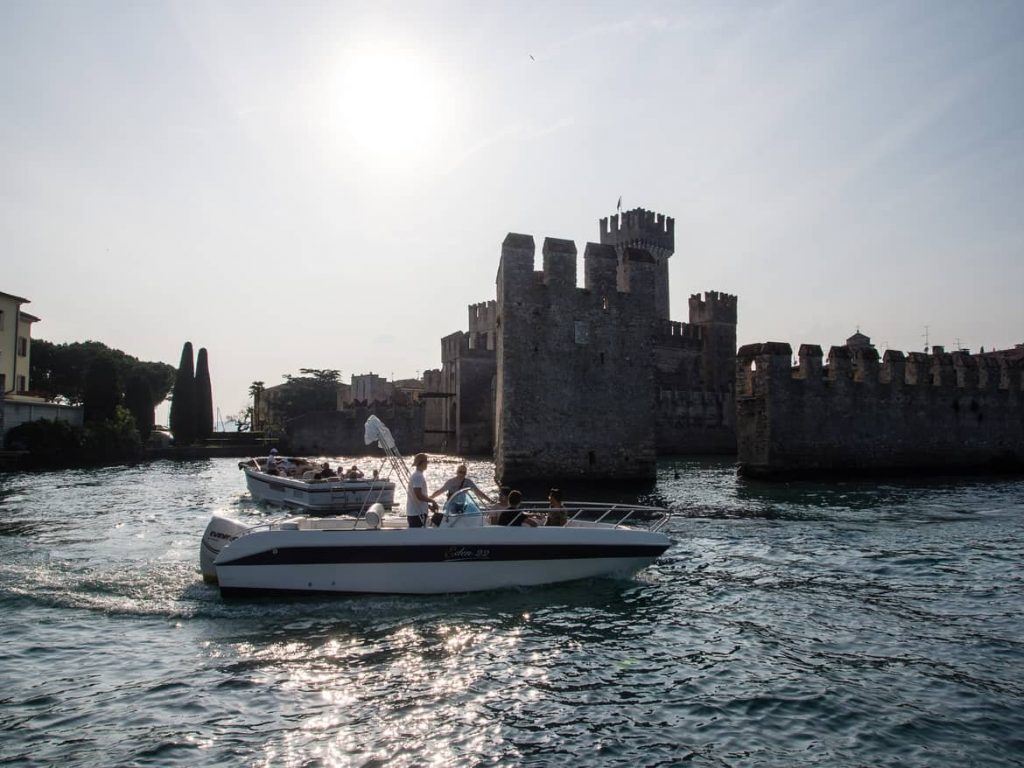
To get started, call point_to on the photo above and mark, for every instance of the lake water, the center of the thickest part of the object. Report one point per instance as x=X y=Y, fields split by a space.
x=841 y=624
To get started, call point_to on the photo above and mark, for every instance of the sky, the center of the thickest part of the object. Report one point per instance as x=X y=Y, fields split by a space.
x=327 y=185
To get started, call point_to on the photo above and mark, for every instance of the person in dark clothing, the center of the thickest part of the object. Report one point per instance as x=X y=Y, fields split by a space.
x=512 y=515
x=557 y=514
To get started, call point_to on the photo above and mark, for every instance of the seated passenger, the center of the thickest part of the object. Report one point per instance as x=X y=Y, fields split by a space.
x=270 y=467
x=353 y=473
x=325 y=473
x=512 y=515
x=557 y=515
x=492 y=512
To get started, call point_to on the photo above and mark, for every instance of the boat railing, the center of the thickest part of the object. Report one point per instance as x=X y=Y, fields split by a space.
x=580 y=513
x=598 y=513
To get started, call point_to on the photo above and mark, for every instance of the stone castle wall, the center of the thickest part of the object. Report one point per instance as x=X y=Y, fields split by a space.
x=327 y=433
x=916 y=412
x=575 y=366
x=460 y=396
x=695 y=367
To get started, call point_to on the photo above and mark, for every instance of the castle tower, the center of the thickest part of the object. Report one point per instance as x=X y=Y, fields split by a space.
x=715 y=314
x=574 y=384
x=647 y=230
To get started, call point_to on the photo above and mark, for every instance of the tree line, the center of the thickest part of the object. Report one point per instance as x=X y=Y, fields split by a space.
x=118 y=394
x=100 y=378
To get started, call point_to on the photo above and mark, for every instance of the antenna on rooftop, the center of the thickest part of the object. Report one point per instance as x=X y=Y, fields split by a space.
x=926 y=339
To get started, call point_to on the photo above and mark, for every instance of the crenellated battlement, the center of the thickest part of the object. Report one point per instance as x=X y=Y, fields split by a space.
x=681 y=335
x=604 y=273
x=639 y=227
x=482 y=308
x=483 y=318
x=713 y=307
x=953 y=372
x=856 y=412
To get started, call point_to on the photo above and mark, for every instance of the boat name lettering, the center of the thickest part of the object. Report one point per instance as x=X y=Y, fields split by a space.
x=467 y=553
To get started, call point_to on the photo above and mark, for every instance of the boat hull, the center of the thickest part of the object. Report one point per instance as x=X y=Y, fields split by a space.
x=345 y=496
x=430 y=561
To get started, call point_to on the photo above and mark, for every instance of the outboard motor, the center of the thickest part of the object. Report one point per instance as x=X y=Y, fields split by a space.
x=220 y=532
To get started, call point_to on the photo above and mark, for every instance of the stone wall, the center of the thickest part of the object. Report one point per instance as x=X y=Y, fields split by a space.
x=16 y=410
x=918 y=412
x=575 y=367
x=695 y=368
x=341 y=432
x=436 y=404
x=474 y=404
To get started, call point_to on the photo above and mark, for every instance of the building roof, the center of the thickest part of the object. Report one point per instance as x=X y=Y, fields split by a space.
x=858 y=340
x=30 y=318
x=16 y=298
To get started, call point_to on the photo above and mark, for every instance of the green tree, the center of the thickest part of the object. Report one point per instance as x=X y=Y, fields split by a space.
x=138 y=399
x=49 y=443
x=204 y=396
x=102 y=391
x=256 y=393
x=322 y=375
x=183 y=400
x=242 y=419
x=59 y=370
x=113 y=440
x=59 y=444
x=315 y=390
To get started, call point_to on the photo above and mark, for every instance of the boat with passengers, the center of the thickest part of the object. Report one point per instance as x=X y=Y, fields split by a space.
x=466 y=551
x=305 y=488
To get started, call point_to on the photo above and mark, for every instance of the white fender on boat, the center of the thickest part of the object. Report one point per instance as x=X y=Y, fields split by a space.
x=374 y=515
x=220 y=532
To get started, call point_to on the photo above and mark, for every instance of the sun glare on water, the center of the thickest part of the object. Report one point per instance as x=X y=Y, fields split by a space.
x=393 y=104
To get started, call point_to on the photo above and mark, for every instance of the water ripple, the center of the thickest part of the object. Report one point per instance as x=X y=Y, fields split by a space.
x=793 y=625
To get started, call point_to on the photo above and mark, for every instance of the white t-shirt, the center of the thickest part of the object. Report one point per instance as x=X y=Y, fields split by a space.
x=413 y=506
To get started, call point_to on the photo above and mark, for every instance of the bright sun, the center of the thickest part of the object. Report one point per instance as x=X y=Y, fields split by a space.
x=391 y=104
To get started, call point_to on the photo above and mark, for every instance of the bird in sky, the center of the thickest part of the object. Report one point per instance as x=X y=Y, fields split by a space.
x=531 y=57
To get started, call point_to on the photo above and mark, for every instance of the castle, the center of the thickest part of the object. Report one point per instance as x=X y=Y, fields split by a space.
x=943 y=411
x=561 y=381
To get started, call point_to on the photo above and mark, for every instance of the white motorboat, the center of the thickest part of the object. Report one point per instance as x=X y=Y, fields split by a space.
x=333 y=495
x=466 y=552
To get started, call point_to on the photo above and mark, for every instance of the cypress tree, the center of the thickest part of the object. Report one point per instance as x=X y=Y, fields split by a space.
x=183 y=400
x=101 y=393
x=138 y=399
x=204 y=397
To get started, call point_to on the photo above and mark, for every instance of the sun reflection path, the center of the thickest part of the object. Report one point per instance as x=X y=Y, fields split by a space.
x=427 y=694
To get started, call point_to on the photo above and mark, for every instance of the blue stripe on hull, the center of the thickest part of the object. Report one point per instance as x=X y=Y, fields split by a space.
x=443 y=553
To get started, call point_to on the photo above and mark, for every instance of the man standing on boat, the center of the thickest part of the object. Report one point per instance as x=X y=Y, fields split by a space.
x=459 y=482
x=418 y=504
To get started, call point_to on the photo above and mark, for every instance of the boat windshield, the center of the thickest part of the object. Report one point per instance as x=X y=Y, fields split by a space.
x=461 y=503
